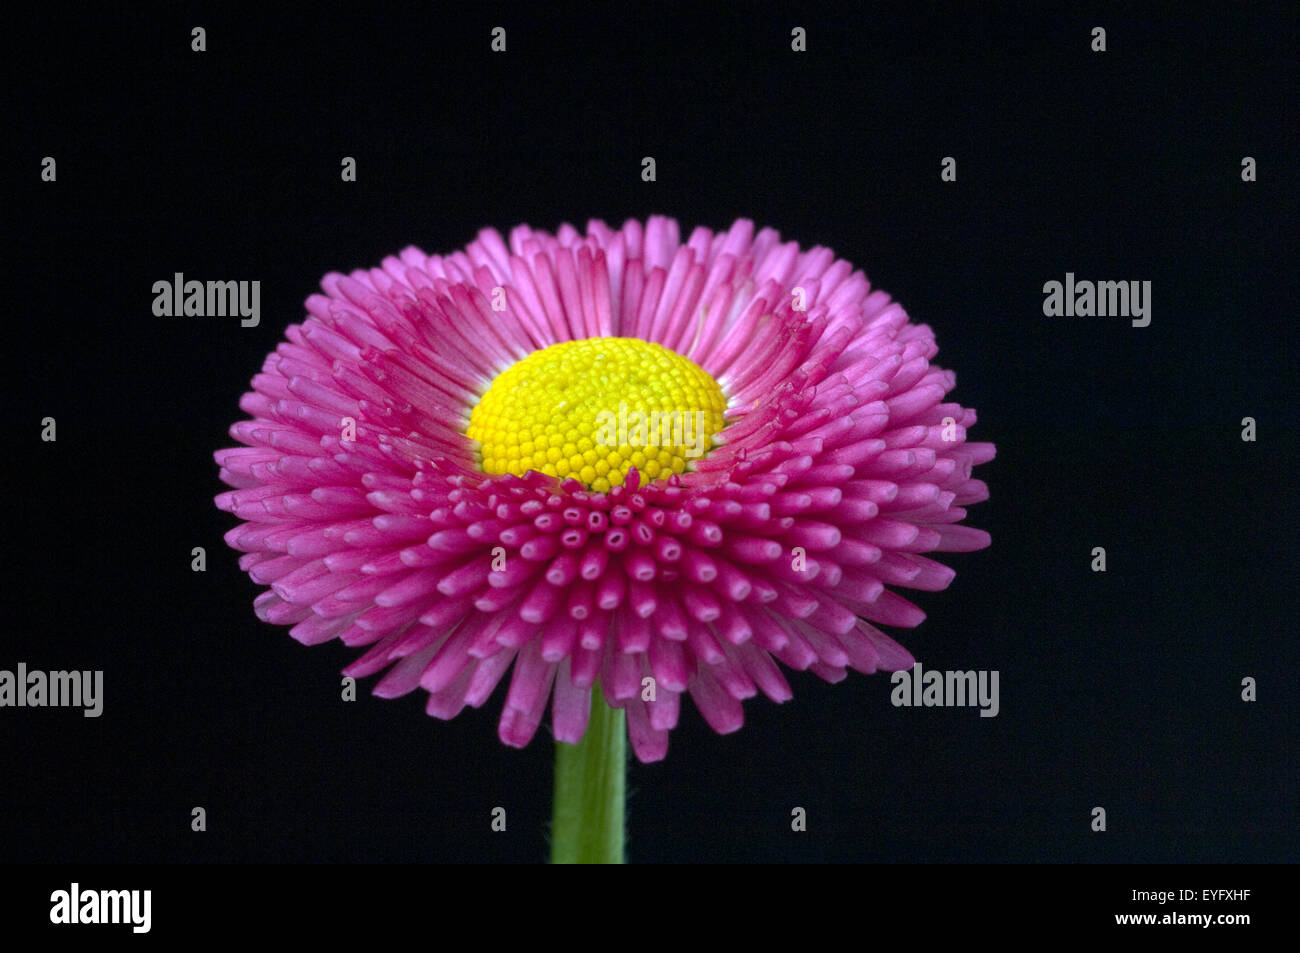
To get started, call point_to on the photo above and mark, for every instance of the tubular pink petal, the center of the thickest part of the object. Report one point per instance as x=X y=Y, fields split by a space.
x=731 y=676
x=571 y=707
x=314 y=630
x=664 y=709
x=760 y=667
x=669 y=664
x=485 y=678
x=404 y=677
x=720 y=710
x=890 y=609
x=648 y=743
x=449 y=659
x=961 y=539
x=449 y=702
x=620 y=677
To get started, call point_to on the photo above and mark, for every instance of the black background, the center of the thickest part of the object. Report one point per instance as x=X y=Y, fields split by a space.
x=1119 y=690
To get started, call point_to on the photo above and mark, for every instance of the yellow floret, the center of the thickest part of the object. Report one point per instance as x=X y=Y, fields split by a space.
x=591 y=409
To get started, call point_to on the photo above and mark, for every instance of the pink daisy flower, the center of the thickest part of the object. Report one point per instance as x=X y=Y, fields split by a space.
x=607 y=460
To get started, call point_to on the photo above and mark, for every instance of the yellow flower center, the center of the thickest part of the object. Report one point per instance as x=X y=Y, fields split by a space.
x=591 y=409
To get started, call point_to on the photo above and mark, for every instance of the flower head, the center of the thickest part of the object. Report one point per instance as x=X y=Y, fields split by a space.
x=609 y=458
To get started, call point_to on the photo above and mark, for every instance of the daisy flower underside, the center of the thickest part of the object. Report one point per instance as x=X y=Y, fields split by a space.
x=600 y=459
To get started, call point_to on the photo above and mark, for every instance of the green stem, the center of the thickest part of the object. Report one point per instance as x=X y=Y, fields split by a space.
x=587 y=819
